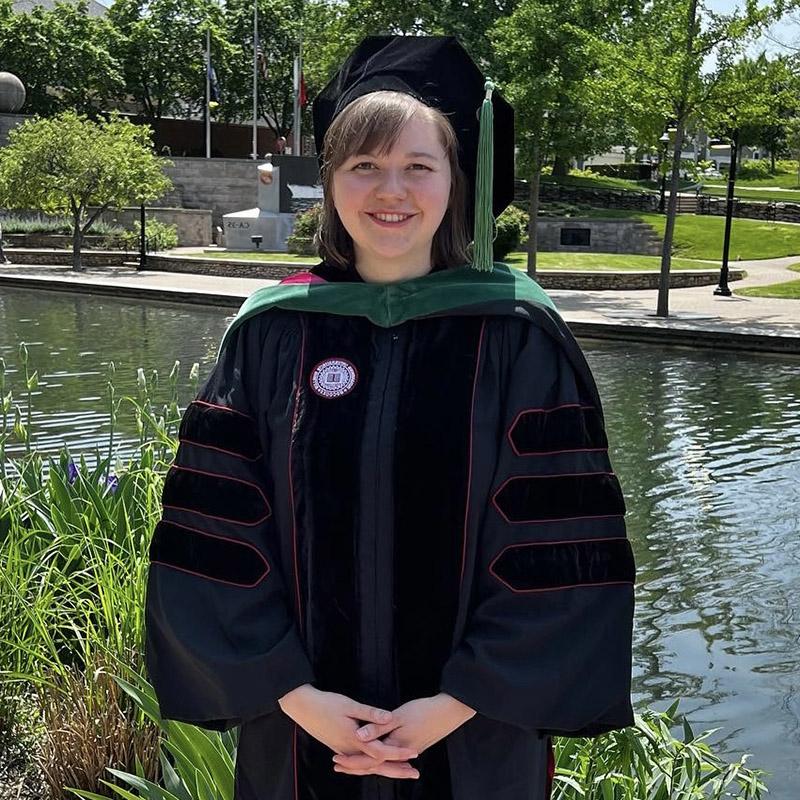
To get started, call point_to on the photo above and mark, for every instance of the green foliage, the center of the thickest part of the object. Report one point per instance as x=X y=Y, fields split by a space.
x=512 y=229
x=306 y=223
x=56 y=225
x=66 y=58
x=66 y=163
x=643 y=762
x=73 y=563
x=159 y=236
x=161 y=51
x=755 y=169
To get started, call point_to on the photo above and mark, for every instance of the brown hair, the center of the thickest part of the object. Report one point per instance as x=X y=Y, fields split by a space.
x=370 y=124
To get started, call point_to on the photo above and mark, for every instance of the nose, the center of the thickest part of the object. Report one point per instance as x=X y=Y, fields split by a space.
x=391 y=184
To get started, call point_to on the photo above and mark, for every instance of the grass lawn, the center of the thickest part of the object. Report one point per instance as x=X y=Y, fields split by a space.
x=605 y=262
x=748 y=192
x=700 y=236
x=788 y=290
x=599 y=261
x=607 y=182
x=255 y=255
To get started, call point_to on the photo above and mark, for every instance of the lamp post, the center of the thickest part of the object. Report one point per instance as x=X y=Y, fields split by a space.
x=733 y=143
x=664 y=139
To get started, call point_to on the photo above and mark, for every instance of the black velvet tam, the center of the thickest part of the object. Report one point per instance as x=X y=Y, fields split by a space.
x=438 y=72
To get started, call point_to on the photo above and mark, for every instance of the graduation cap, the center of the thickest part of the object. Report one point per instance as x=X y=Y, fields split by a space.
x=438 y=72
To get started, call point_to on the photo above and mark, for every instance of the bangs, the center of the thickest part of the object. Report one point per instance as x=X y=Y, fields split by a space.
x=370 y=125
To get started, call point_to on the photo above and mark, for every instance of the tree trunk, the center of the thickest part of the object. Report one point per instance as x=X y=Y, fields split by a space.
x=772 y=160
x=533 y=215
x=77 y=241
x=672 y=205
x=560 y=167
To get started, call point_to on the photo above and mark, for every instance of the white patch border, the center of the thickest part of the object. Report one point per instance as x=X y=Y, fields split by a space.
x=347 y=366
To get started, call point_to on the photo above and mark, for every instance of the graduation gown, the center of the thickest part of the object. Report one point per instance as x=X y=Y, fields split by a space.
x=390 y=491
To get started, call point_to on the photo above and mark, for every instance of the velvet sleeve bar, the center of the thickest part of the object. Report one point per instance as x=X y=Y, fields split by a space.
x=221 y=643
x=547 y=640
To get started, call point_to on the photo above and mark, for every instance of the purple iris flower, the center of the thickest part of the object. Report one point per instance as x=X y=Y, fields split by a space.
x=72 y=472
x=112 y=483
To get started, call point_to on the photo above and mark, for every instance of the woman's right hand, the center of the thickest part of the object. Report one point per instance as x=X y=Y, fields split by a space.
x=333 y=719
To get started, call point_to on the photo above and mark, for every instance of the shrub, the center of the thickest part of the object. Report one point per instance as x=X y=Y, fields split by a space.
x=512 y=228
x=55 y=225
x=301 y=241
x=754 y=170
x=159 y=235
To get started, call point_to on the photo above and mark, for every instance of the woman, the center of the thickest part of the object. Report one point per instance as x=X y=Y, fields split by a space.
x=392 y=533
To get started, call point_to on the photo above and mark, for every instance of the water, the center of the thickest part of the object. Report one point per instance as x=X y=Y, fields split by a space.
x=707 y=448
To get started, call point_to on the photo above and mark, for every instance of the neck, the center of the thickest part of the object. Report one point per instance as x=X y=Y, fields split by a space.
x=375 y=269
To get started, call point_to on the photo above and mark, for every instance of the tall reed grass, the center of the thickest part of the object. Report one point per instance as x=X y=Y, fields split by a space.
x=74 y=537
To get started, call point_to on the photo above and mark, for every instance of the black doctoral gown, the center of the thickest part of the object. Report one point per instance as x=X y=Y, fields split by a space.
x=389 y=511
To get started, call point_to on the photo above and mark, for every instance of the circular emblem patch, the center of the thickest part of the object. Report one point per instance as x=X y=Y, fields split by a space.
x=333 y=377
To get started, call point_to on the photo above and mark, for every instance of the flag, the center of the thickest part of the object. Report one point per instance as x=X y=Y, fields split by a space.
x=261 y=59
x=214 y=94
x=303 y=97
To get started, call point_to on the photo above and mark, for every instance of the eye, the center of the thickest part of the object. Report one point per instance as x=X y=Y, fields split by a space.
x=424 y=166
x=363 y=164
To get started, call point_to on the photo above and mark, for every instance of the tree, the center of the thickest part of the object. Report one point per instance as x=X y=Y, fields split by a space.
x=793 y=141
x=547 y=58
x=62 y=55
x=162 y=52
x=662 y=64
x=67 y=163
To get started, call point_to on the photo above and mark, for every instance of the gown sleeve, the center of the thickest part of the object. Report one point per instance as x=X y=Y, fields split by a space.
x=547 y=635
x=221 y=644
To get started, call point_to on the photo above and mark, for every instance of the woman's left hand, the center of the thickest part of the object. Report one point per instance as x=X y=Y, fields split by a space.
x=417 y=724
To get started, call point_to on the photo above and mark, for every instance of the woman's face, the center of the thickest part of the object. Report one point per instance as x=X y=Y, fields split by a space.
x=411 y=184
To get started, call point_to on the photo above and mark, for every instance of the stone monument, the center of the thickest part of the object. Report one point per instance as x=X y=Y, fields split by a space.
x=267 y=221
x=12 y=93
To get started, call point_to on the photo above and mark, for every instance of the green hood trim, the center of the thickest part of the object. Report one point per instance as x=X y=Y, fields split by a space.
x=389 y=304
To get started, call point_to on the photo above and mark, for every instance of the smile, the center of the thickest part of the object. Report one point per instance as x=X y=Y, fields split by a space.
x=390 y=220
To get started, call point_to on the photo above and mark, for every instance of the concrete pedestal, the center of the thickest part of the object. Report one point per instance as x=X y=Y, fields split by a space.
x=274 y=227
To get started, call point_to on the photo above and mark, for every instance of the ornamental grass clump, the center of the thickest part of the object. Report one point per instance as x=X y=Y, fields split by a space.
x=74 y=535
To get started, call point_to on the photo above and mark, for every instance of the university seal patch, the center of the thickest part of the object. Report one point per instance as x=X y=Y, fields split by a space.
x=333 y=377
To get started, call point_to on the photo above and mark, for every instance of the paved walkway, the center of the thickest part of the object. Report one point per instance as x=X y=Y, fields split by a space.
x=697 y=316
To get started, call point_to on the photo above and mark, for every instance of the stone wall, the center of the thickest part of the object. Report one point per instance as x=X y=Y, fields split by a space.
x=227 y=185
x=605 y=235
x=227 y=268
x=194 y=224
x=90 y=258
x=548 y=279
x=750 y=209
x=597 y=198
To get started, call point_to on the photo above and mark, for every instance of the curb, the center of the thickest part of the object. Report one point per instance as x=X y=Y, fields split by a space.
x=677 y=336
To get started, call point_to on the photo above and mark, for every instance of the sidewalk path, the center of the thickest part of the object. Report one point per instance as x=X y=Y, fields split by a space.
x=697 y=316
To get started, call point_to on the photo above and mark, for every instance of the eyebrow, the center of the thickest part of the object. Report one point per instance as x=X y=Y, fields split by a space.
x=414 y=154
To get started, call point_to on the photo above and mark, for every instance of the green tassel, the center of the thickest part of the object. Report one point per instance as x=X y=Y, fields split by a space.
x=483 y=245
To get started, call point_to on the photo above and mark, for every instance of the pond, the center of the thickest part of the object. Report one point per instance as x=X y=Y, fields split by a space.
x=707 y=448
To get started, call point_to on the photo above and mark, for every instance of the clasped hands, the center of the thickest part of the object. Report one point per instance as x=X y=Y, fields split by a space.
x=388 y=740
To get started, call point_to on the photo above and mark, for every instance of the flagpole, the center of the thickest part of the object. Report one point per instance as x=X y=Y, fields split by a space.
x=208 y=92
x=255 y=80
x=297 y=132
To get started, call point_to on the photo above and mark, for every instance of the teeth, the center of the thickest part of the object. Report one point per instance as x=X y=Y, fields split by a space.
x=391 y=217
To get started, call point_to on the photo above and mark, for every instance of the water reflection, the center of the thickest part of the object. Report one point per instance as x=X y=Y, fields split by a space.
x=707 y=447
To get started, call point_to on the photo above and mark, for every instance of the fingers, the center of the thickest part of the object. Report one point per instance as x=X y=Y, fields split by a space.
x=380 y=751
x=361 y=711
x=389 y=769
x=362 y=761
x=372 y=730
